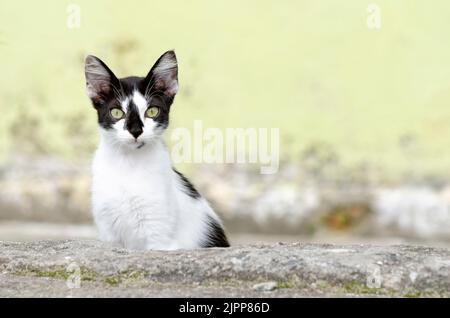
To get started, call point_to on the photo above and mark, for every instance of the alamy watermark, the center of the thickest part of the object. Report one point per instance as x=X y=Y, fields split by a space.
x=374 y=16
x=374 y=278
x=74 y=278
x=231 y=145
x=73 y=20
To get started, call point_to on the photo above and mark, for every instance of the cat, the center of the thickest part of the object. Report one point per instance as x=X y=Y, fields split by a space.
x=139 y=201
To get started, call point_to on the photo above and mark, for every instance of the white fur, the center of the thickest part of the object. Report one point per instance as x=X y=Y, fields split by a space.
x=138 y=201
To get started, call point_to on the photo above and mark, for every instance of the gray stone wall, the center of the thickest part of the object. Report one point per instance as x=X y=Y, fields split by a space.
x=94 y=269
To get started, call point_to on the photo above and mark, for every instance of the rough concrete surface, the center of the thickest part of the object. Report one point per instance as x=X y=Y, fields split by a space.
x=95 y=269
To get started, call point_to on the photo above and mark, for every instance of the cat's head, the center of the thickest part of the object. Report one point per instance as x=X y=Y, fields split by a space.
x=132 y=111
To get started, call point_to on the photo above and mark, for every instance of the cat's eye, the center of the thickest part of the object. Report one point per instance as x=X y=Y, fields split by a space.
x=117 y=113
x=152 y=111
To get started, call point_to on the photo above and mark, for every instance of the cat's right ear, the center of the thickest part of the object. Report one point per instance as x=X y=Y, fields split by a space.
x=100 y=80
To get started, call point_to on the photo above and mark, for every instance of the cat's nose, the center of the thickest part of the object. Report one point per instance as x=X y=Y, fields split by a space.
x=136 y=131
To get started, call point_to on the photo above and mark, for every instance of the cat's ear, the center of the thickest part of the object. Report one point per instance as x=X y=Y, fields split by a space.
x=100 y=80
x=163 y=76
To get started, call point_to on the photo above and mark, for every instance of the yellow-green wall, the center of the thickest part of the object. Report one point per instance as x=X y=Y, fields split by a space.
x=312 y=68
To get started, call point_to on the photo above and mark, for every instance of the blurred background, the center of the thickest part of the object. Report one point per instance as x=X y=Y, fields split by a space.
x=359 y=89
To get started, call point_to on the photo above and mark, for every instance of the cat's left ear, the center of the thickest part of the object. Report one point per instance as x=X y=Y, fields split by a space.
x=100 y=80
x=163 y=76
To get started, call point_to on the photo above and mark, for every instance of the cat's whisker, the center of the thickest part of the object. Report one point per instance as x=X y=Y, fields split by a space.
x=148 y=89
x=118 y=93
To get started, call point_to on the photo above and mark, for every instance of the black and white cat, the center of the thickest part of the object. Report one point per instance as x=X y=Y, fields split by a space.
x=138 y=200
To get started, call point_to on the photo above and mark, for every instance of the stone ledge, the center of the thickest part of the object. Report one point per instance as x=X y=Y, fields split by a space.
x=42 y=268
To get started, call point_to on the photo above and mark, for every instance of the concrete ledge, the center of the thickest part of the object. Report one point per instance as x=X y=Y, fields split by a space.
x=51 y=268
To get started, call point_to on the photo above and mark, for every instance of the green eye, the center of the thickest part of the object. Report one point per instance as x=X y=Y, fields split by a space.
x=152 y=111
x=116 y=113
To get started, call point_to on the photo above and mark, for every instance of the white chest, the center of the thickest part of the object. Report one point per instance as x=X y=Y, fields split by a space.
x=131 y=201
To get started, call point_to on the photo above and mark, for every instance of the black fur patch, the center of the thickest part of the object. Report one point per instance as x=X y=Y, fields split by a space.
x=189 y=189
x=216 y=235
x=133 y=122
